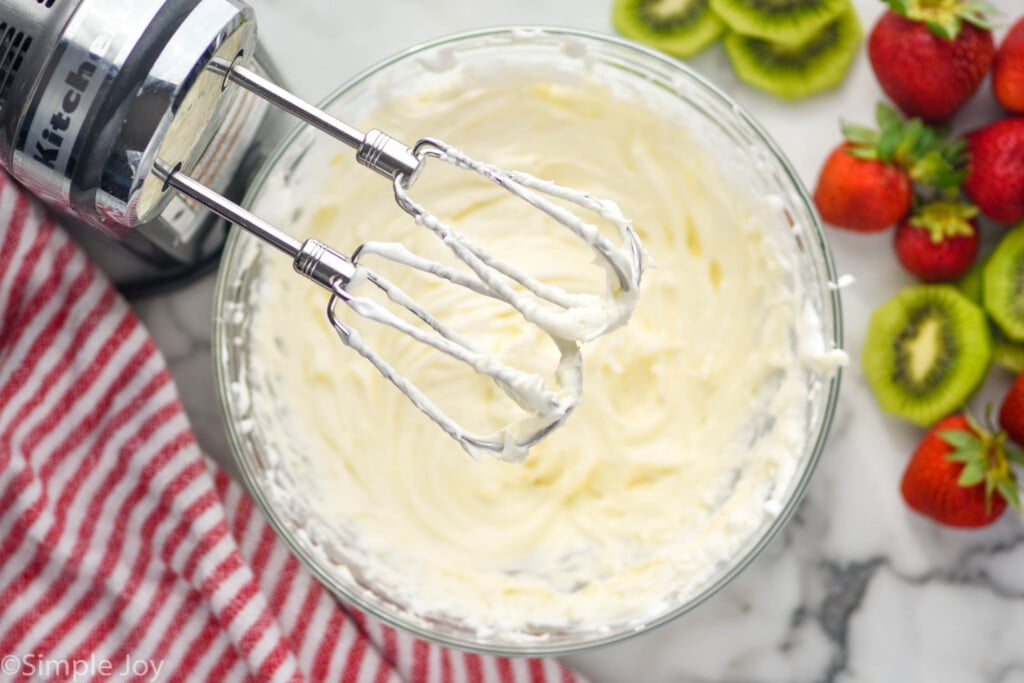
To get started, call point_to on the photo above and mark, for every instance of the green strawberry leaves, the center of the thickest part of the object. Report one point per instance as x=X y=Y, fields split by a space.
x=945 y=219
x=1015 y=455
x=1007 y=489
x=986 y=457
x=945 y=18
x=924 y=152
x=972 y=475
x=964 y=444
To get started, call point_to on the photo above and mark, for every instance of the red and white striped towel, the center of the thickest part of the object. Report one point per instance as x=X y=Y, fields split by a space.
x=124 y=552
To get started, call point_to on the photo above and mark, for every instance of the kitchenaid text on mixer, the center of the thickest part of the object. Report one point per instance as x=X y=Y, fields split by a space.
x=105 y=106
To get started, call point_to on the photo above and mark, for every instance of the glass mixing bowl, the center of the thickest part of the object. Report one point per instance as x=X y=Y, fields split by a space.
x=253 y=418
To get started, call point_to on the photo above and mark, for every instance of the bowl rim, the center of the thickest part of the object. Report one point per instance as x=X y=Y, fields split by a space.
x=250 y=473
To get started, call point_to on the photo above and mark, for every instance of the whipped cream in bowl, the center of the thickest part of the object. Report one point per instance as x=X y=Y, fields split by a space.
x=701 y=419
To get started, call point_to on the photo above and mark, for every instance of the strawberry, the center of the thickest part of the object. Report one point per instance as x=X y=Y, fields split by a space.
x=995 y=181
x=939 y=241
x=930 y=56
x=1011 y=412
x=866 y=195
x=960 y=474
x=1008 y=70
x=866 y=184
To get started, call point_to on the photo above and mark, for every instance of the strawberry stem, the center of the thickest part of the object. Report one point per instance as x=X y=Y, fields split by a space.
x=922 y=151
x=945 y=18
x=945 y=219
x=986 y=459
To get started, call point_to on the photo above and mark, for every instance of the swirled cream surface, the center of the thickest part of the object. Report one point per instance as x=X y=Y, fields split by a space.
x=694 y=415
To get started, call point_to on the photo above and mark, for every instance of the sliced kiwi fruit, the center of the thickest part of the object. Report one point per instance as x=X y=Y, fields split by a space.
x=679 y=27
x=1004 y=284
x=1007 y=354
x=926 y=351
x=781 y=21
x=800 y=69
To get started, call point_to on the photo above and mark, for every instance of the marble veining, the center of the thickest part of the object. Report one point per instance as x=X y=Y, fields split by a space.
x=855 y=589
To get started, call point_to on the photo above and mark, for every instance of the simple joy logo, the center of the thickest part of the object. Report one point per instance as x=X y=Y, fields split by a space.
x=40 y=666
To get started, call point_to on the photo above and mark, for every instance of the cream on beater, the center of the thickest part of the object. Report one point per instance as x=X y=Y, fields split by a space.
x=573 y=320
x=695 y=413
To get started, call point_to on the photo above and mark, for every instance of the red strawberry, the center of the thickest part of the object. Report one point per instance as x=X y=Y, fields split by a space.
x=866 y=195
x=995 y=181
x=929 y=60
x=1008 y=70
x=866 y=184
x=939 y=241
x=959 y=475
x=1011 y=412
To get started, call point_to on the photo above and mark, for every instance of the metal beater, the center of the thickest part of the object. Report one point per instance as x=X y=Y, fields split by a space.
x=105 y=105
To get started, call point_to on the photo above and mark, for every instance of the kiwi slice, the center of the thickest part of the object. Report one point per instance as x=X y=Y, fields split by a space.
x=1004 y=284
x=926 y=351
x=789 y=22
x=1007 y=354
x=679 y=27
x=800 y=69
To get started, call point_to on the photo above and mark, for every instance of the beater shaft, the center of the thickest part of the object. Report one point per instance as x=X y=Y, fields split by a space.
x=312 y=258
x=375 y=149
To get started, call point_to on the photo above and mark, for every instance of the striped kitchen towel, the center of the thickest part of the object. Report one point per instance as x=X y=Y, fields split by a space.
x=125 y=554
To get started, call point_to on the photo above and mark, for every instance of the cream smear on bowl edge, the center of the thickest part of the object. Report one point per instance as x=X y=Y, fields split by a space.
x=695 y=418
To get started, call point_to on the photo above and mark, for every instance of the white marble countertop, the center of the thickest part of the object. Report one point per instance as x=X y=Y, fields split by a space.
x=856 y=588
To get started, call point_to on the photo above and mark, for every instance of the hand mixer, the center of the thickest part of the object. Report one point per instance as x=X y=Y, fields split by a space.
x=105 y=106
